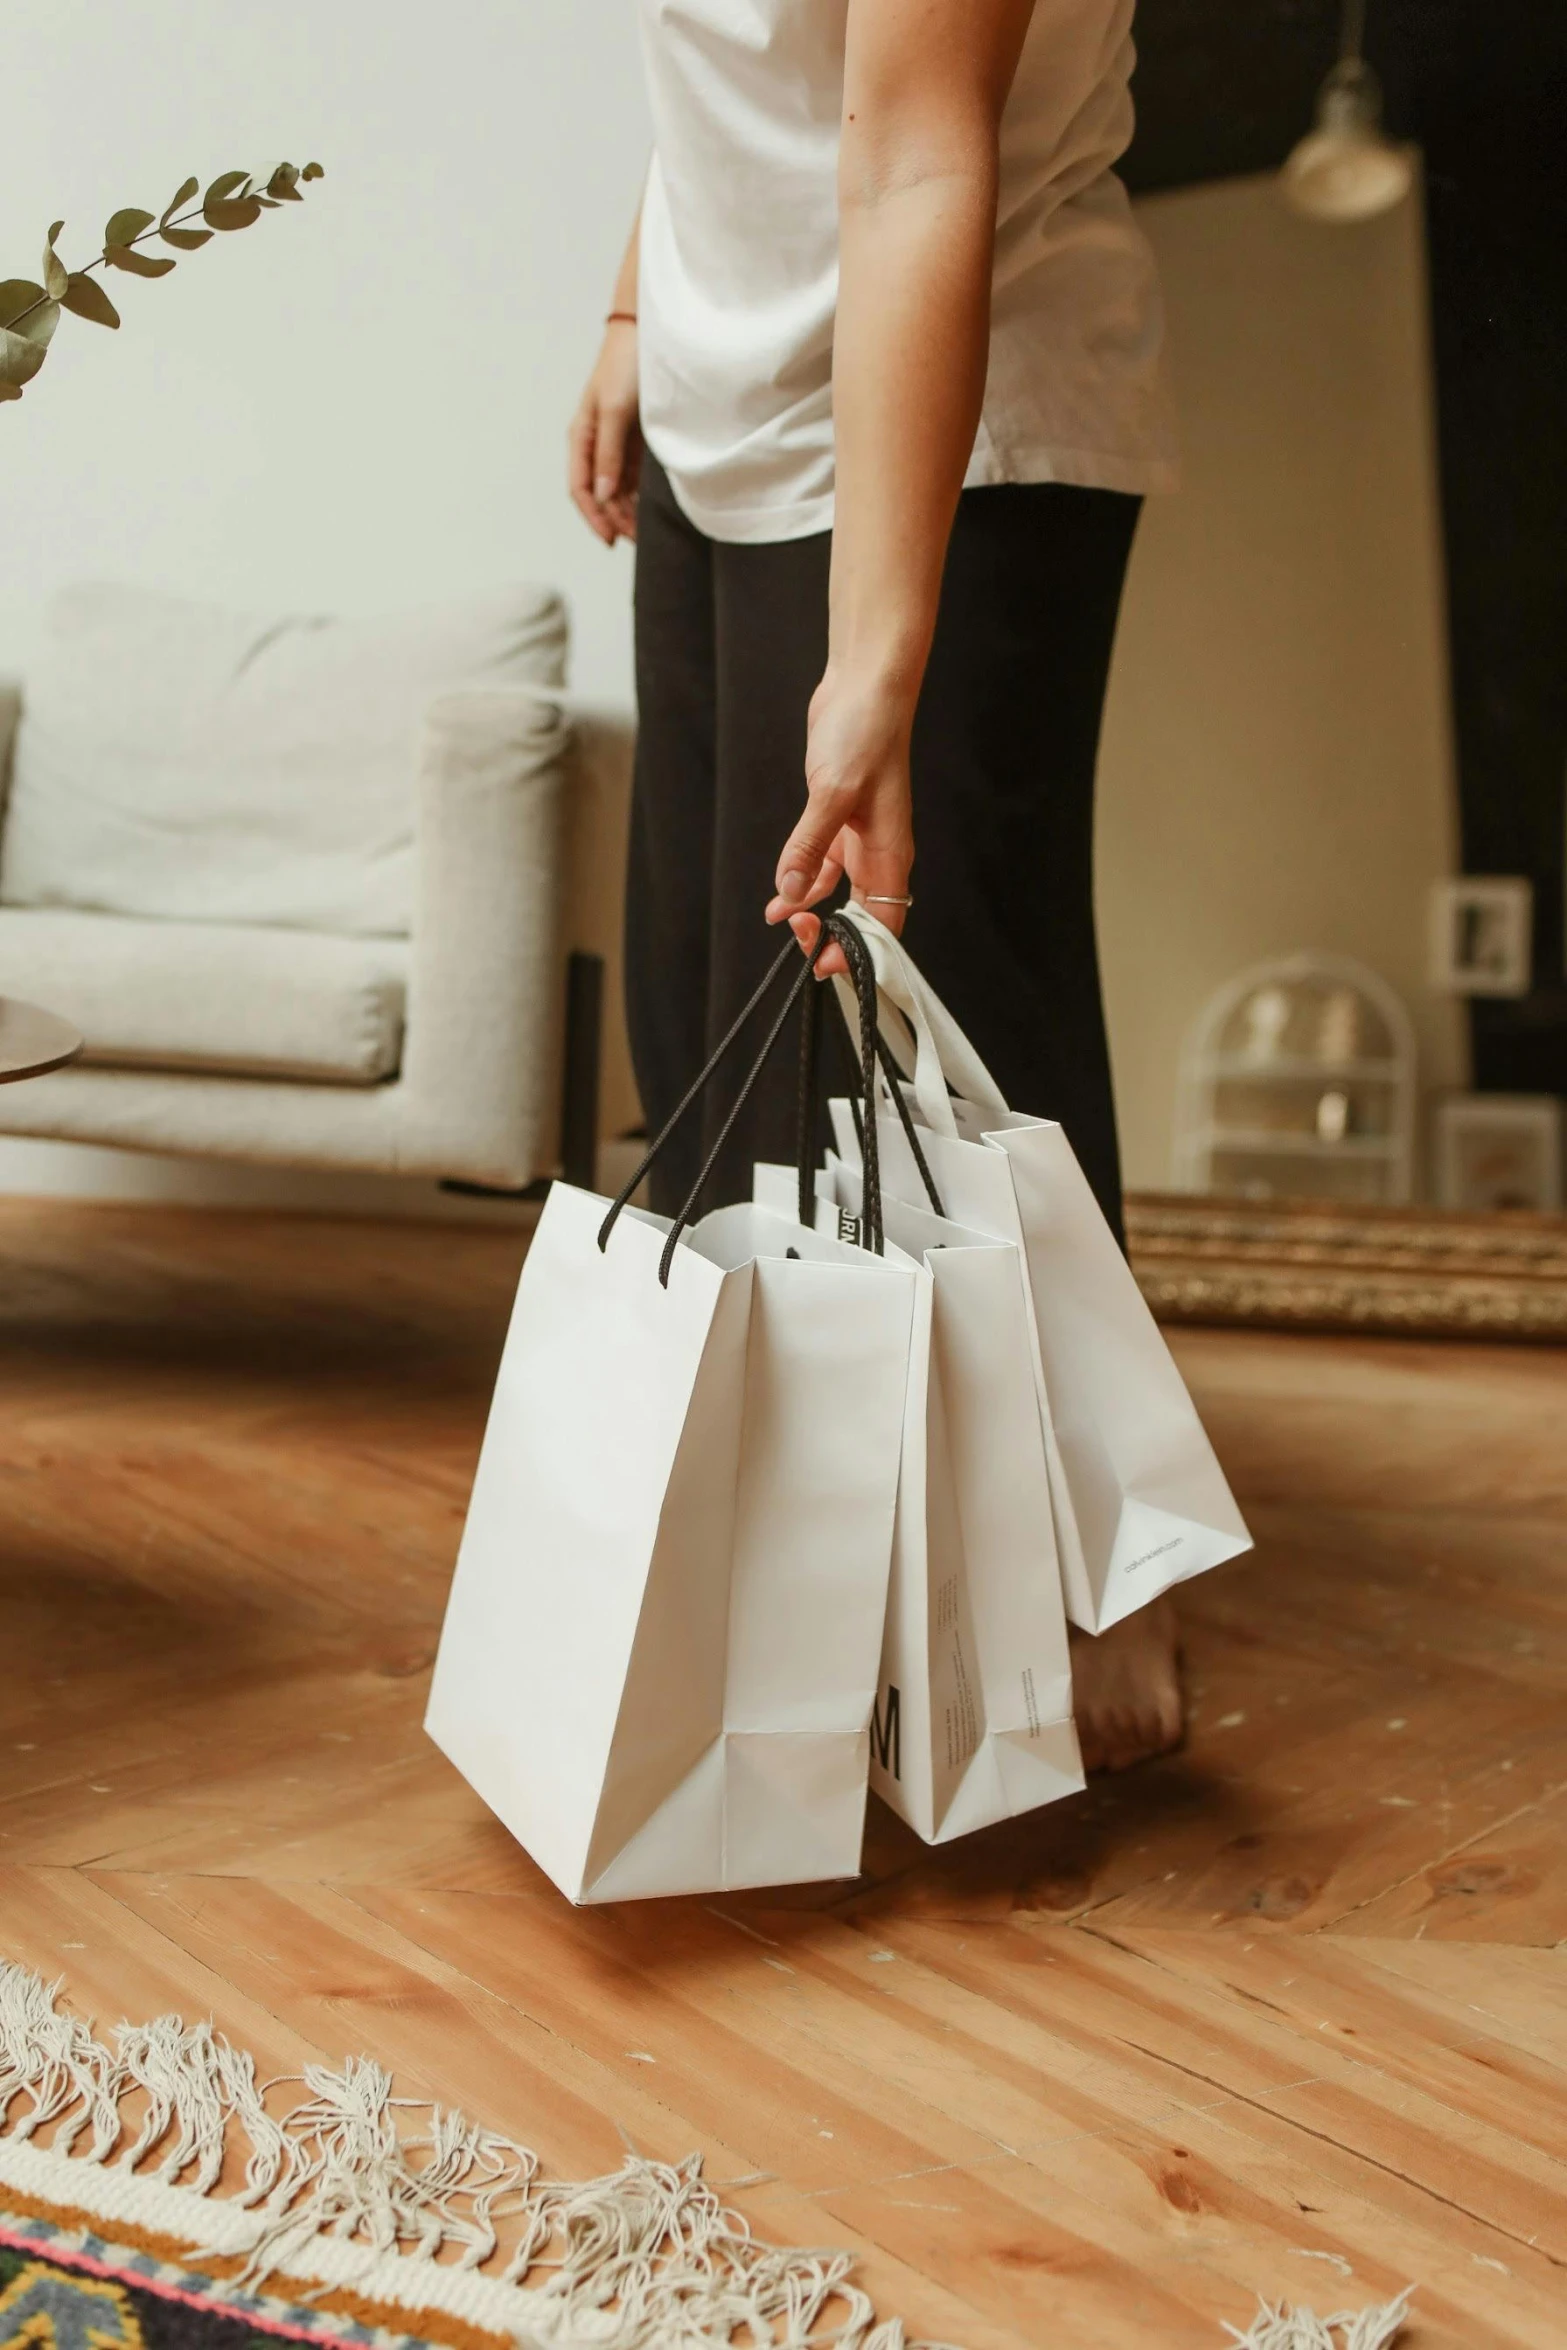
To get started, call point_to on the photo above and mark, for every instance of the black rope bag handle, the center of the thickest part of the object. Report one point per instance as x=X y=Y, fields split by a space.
x=758 y=996
x=862 y=975
x=833 y=927
x=862 y=1088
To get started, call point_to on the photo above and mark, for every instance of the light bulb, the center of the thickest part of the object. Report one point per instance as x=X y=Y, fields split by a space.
x=1346 y=168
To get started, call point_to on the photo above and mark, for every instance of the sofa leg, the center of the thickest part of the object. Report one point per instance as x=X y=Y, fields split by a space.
x=579 y=1102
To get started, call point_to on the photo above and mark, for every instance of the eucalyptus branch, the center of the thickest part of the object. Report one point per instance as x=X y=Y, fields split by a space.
x=29 y=312
x=102 y=261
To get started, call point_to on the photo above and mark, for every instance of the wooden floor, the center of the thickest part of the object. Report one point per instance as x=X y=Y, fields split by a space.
x=1287 y=2013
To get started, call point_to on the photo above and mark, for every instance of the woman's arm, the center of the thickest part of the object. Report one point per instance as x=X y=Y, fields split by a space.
x=604 y=442
x=925 y=83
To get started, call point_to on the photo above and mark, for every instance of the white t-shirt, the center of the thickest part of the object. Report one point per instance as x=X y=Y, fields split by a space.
x=739 y=269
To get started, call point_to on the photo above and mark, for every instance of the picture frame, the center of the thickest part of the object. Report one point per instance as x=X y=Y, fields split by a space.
x=1482 y=935
x=1498 y=1152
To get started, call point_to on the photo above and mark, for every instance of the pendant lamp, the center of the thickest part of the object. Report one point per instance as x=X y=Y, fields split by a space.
x=1347 y=168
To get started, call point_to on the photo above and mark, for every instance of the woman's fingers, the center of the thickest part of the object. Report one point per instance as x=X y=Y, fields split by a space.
x=807 y=927
x=803 y=867
x=581 y=466
x=829 y=874
x=609 y=456
x=879 y=876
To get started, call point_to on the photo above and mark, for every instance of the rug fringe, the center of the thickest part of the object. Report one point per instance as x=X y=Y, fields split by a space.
x=403 y=2200
x=54 y=2060
x=1285 y=2328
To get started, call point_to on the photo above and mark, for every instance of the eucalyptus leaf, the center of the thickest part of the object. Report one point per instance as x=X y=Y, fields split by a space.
x=84 y=297
x=313 y=171
x=38 y=327
x=56 y=276
x=9 y=391
x=283 y=181
x=20 y=357
x=231 y=215
x=138 y=264
x=124 y=226
x=16 y=295
x=189 y=240
x=225 y=184
x=187 y=189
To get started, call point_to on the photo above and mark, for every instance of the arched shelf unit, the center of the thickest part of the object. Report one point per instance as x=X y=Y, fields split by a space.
x=1298 y=1082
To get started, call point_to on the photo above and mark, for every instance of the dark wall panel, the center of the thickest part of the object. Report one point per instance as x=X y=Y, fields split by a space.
x=1224 y=86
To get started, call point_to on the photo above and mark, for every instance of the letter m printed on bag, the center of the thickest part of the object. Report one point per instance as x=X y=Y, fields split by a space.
x=886 y=1741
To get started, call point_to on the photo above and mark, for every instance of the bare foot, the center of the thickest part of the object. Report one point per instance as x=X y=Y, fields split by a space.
x=1126 y=1689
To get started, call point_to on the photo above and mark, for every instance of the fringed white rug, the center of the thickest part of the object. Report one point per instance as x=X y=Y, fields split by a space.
x=156 y=2167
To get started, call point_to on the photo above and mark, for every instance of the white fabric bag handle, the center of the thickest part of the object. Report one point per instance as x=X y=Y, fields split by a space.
x=943 y=1056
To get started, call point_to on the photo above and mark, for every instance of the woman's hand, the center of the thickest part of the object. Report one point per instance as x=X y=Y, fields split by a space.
x=604 y=444
x=857 y=816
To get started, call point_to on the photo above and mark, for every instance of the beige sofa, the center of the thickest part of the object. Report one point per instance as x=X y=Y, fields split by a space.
x=308 y=895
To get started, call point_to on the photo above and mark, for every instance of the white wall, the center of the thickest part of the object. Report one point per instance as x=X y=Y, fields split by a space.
x=360 y=401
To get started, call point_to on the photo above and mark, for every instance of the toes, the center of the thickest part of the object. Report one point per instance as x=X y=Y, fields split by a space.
x=1111 y=1740
x=1118 y=1740
x=1128 y=1692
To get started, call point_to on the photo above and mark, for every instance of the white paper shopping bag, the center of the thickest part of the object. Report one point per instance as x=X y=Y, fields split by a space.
x=660 y=1652
x=973 y=1719
x=659 y=1658
x=1140 y=1501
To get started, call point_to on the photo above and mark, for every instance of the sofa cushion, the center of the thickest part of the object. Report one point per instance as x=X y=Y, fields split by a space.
x=236 y=1001
x=192 y=764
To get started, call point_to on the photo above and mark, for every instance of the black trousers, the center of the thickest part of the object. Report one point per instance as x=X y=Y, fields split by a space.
x=730 y=644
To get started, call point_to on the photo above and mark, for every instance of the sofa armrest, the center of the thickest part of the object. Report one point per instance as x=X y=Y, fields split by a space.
x=484 y=981
x=10 y=714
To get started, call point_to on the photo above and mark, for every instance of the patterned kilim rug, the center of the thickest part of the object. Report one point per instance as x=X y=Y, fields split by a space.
x=155 y=2196
x=66 y=2285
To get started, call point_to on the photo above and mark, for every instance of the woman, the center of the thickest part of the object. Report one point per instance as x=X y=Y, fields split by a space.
x=878 y=398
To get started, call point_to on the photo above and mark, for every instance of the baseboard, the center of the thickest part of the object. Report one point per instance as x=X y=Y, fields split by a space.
x=38 y=1169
